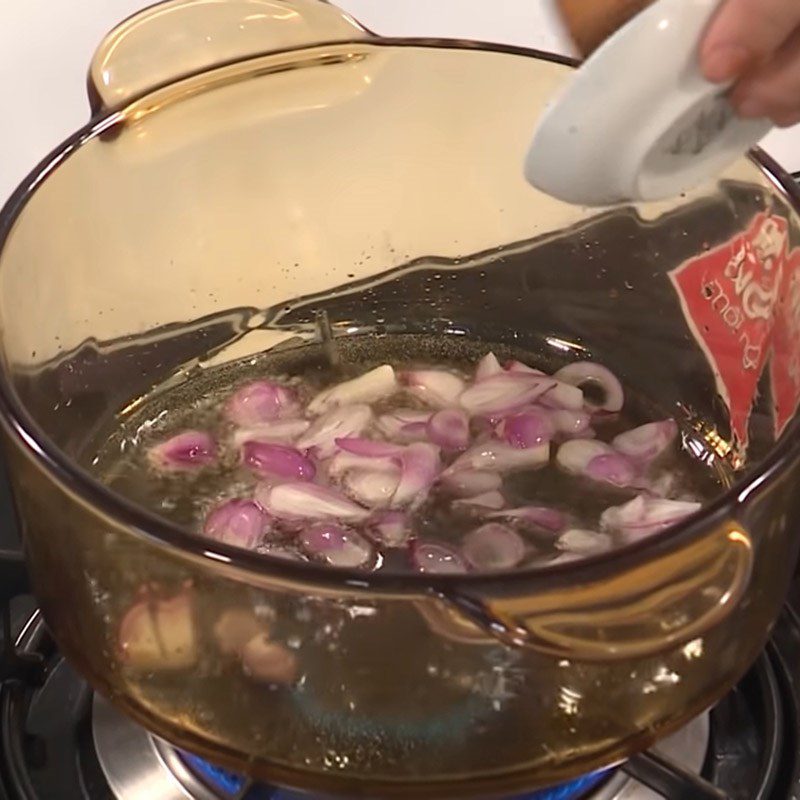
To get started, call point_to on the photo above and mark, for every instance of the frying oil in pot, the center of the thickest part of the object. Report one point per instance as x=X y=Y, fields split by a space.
x=529 y=482
x=348 y=684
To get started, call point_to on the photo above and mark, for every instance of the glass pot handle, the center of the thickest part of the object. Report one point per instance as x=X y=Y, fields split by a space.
x=177 y=38
x=660 y=603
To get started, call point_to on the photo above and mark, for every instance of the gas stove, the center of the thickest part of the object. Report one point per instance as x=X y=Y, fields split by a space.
x=61 y=741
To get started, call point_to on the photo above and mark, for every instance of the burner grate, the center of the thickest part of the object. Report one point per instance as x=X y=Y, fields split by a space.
x=59 y=742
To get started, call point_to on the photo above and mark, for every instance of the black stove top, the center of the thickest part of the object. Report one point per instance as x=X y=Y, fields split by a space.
x=59 y=741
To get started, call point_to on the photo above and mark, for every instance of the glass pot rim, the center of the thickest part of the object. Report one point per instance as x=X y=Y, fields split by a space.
x=21 y=426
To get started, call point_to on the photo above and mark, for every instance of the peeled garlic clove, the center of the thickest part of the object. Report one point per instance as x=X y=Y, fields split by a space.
x=157 y=635
x=269 y=662
x=235 y=628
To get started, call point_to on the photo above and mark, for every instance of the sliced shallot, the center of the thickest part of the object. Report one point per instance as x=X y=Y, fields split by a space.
x=529 y=428
x=373 y=488
x=647 y=442
x=575 y=455
x=338 y=423
x=571 y=424
x=563 y=396
x=487 y=366
x=449 y=429
x=598 y=461
x=469 y=482
x=436 y=558
x=504 y=393
x=583 y=542
x=260 y=401
x=343 y=462
x=374 y=385
x=501 y=457
x=549 y=519
x=488 y=501
x=336 y=545
x=390 y=528
x=518 y=366
x=279 y=431
x=404 y=425
x=613 y=468
x=237 y=522
x=368 y=448
x=190 y=450
x=437 y=388
x=266 y=459
x=268 y=662
x=420 y=467
x=589 y=372
x=645 y=515
x=493 y=547
x=308 y=501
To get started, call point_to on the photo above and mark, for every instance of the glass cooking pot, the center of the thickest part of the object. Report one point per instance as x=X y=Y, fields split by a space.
x=251 y=163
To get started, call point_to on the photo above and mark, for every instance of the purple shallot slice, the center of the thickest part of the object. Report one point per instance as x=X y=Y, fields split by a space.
x=645 y=515
x=420 y=466
x=336 y=545
x=471 y=482
x=436 y=558
x=261 y=401
x=582 y=373
x=404 y=425
x=529 y=428
x=236 y=522
x=449 y=429
x=493 y=547
x=338 y=423
x=390 y=528
x=647 y=442
x=501 y=457
x=501 y=394
x=185 y=452
x=265 y=459
x=488 y=501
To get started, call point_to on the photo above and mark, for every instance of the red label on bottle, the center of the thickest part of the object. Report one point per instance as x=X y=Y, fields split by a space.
x=729 y=296
x=785 y=361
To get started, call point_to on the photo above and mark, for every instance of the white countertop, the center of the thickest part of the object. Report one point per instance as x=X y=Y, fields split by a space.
x=45 y=48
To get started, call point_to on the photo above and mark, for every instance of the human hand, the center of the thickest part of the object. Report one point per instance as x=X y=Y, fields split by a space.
x=756 y=43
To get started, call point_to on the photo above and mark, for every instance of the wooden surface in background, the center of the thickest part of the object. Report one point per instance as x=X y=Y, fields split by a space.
x=591 y=22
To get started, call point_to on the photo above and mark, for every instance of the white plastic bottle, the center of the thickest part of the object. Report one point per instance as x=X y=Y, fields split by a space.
x=638 y=121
